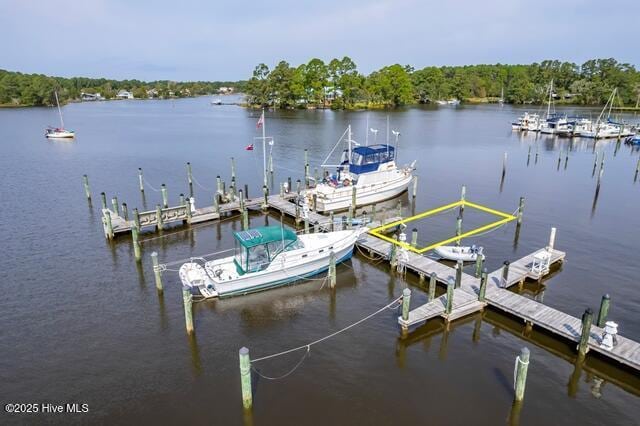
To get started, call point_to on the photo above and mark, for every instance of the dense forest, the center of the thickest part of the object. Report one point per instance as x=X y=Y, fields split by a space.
x=338 y=84
x=17 y=89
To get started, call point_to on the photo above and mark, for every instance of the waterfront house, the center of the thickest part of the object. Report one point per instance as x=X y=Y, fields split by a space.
x=124 y=94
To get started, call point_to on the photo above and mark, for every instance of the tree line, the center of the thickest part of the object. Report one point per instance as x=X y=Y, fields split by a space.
x=338 y=84
x=18 y=89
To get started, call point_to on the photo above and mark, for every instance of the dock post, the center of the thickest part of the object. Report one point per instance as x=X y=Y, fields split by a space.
x=432 y=286
x=393 y=260
x=552 y=239
x=110 y=233
x=463 y=198
x=233 y=168
x=332 y=269
x=316 y=177
x=281 y=190
x=289 y=187
x=103 y=198
x=459 y=267
x=125 y=211
x=218 y=185
x=483 y=285
x=246 y=190
x=136 y=243
x=373 y=213
x=332 y=225
x=241 y=200
x=245 y=378
x=522 y=365
x=87 y=190
x=187 y=206
x=165 y=196
x=298 y=187
x=504 y=165
x=156 y=272
x=136 y=218
x=187 y=300
x=587 y=320
x=315 y=202
x=604 y=310
x=449 y=305
x=415 y=187
x=265 y=202
x=181 y=199
x=216 y=203
x=306 y=168
x=414 y=237
x=505 y=274
x=306 y=226
x=232 y=188
x=140 y=180
x=190 y=179
x=479 y=264
x=114 y=204
x=353 y=199
x=159 y=224
x=316 y=227
x=406 y=304
x=520 y=210
x=297 y=208
x=400 y=208
x=458 y=229
x=245 y=219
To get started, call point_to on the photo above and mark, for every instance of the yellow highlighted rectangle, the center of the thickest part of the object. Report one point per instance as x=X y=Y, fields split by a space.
x=506 y=217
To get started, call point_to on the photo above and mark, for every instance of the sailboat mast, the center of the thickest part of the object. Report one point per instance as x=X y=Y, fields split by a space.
x=59 y=110
x=349 y=145
x=264 y=147
x=550 y=94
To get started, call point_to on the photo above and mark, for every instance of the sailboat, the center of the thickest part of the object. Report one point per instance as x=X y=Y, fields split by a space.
x=59 y=132
x=606 y=128
x=553 y=122
x=501 y=100
x=371 y=170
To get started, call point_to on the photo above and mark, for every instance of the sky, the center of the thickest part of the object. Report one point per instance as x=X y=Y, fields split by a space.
x=187 y=40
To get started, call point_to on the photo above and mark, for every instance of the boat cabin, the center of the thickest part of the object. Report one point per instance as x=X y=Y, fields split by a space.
x=366 y=159
x=256 y=248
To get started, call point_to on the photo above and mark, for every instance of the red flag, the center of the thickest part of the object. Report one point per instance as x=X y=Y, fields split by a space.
x=249 y=147
x=261 y=121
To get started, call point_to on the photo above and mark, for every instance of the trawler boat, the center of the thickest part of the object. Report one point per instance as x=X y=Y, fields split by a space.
x=527 y=122
x=555 y=125
x=268 y=257
x=371 y=170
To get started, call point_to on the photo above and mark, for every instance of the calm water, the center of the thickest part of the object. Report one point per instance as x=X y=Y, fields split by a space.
x=82 y=323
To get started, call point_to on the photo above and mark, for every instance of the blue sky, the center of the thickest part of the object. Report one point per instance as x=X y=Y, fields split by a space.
x=219 y=40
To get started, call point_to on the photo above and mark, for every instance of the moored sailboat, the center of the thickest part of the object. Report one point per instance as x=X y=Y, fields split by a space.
x=59 y=132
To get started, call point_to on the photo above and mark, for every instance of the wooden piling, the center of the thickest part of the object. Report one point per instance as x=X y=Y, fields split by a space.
x=393 y=260
x=241 y=200
x=450 y=288
x=406 y=303
x=246 y=190
x=165 y=196
x=218 y=185
x=245 y=378
x=483 y=285
x=459 y=268
x=505 y=274
x=332 y=269
x=245 y=219
x=159 y=223
x=399 y=208
x=140 y=180
x=281 y=190
x=298 y=187
x=587 y=320
x=479 y=264
x=87 y=190
x=265 y=201
x=181 y=199
x=316 y=227
x=187 y=300
x=107 y=219
x=125 y=211
x=415 y=186
x=306 y=169
x=136 y=218
x=289 y=187
x=190 y=179
x=414 y=237
x=432 y=286
x=136 y=243
x=306 y=226
x=114 y=204
x=315 y=202
x=156 y=272
x=353 y=198
x=103 y=199
x=604 y=310
x=458 y=230
x=520 y=211
x=552 y=239
x=463 y=198
x=522 y=365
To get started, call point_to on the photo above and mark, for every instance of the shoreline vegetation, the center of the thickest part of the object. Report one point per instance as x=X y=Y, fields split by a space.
x=339 y=85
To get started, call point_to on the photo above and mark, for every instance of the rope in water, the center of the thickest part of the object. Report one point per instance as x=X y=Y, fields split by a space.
x=199 y=184
x=150 y=186
x=342 y=330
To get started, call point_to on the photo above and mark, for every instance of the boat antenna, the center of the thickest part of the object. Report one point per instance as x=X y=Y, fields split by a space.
x=349 y=142
x=59 y=110
x=397 y=135
x=264 y=149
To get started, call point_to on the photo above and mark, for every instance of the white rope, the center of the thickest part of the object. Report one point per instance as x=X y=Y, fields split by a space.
x=287 y=373
x=151 y=186
x=199 y=184
x=203 y=256
x=328 y=336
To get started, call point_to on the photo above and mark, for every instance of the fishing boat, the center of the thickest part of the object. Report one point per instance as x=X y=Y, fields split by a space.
x=527 y=122
x=268 y=257
x=59 y=132
x=466 y=254
x=371 y=170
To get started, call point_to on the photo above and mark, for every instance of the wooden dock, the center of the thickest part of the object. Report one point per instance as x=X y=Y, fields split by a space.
x=498 y=296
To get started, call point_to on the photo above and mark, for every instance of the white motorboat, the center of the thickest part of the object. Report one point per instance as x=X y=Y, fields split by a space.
x=527 y=122
x=466 y=254
x=371 y=170
x=268 y=257
x=59 y=132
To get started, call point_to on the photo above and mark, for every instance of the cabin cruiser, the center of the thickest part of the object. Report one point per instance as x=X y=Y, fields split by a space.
x=268 y=257
x=371 y=170
x=527 y=122
x=554 y=124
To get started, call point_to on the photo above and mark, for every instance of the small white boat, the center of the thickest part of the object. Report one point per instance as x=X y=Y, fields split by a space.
x=216 y=101
x=268 y=257
x=59 y=132
x=466 y=254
